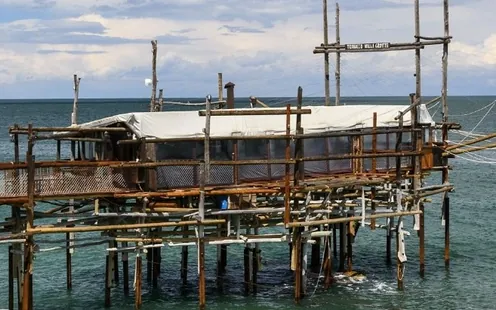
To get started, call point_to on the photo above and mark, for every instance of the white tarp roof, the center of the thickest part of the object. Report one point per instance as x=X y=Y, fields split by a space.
x=178 y=124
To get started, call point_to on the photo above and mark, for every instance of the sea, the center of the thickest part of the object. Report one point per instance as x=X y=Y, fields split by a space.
x=469 y=283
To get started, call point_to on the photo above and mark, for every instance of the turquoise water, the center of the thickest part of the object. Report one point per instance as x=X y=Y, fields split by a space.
x=469 y=284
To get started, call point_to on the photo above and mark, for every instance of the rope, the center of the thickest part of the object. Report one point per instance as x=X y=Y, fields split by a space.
x=326 y=244
x=481 y=120
x=473 y=112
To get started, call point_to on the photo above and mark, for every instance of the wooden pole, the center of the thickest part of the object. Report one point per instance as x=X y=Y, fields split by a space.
x=220 y=96
x=76 y=99
x=108 y=280
x=349 y=244
x=444 y=100
x=246 y=264
x=338 y=58
x=342 y=247
x=326 y=55
x=298 y=268
x=137 y=297
x=184 y=259
x=388 y=239
x=11 y=278
x=125 y=269
x=287 y=187
x=68 y=259
x=421 y=234
x=160 y=100
x=153 y=99
x=27 y=296
x=255 y=260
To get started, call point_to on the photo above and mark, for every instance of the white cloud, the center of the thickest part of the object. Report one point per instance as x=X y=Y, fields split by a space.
x=271 y=40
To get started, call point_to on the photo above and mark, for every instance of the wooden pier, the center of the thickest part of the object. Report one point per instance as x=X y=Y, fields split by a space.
x=144 y=191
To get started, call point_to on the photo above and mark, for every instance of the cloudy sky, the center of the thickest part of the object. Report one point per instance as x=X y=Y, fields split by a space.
x=264 y=46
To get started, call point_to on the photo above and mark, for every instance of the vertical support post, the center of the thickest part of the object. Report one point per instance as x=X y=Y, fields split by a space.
x=220 y=96
x=76 y=99
x=247 y=253
x=334 y=241
x=27 y=296
x=338 y=58
x=349 y=244
x=326 y=55
x=68 y=260
x=156 y=266
x=342 y=246
x=184 y=259
x=204 y=177
x=230 y=95
x=153 y=99
x=254 y=265
x=149 y=265
x=108 y=280
x=137 y=281
x=389 y=229
x=125 y=269
x=298 y=264
x=11 y=278
x=287 y=189
x=444 y=100
x=160 y=100
x=328 y=263
x=421 y=235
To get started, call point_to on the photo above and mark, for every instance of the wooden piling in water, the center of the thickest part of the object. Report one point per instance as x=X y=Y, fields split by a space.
x=108 y=280
x=125 y=269
x=184 y=259
x=421 y=234
x=68 y=259
x=137 y=282
x=11 y=278
x=342 y=246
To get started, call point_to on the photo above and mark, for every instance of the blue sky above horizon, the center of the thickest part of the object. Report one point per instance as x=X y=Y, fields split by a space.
x=264 y=47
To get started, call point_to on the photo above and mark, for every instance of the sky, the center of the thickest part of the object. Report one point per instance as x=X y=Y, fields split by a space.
x=264 y=47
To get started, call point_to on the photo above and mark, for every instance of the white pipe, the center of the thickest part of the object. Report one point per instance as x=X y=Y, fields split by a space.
x=13 y=241
x=133 y=248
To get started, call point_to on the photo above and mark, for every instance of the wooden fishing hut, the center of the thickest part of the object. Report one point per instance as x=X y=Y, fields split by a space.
x=227 y=176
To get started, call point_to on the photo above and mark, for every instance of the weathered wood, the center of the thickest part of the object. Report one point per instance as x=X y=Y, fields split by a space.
x=138 y=277
x=201 y=277
x=444 y=100
x=326 y=56
x=392 y=47
x=247 y=264
x=21 y=130
x=11 y=277
x=27 y=295
x=421 y=234
x=51 y=230
x=108 y=280
x=337 y=73
x=76 y=99
x=184 y=258
x=352 y=218
x=298 y=268
x=220 y=96
x=160 y=100
x=68 y=260
x=125 y=269
x=342 y=246
x=287 y=188
x=244 y=112
x=153 y=100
